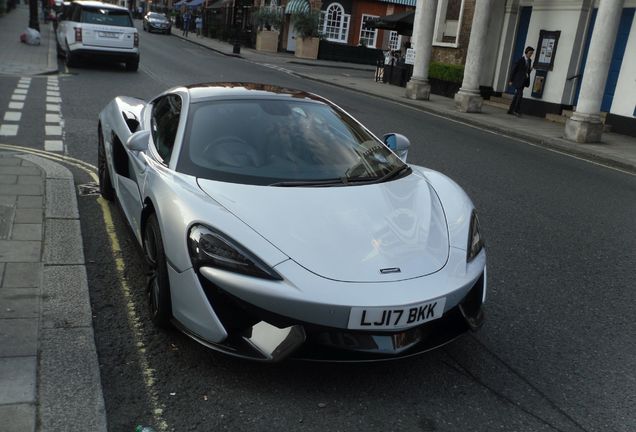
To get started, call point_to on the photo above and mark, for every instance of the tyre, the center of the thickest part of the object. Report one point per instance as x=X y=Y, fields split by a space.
x=132 y=66
x=158 y=289
x=105 y=185
x=69 y=59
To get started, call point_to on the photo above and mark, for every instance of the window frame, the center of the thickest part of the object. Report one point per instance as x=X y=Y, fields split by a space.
x=440 y=22
x=151 y=122
x=343 y=27
x=398 y=40
x=362 y=29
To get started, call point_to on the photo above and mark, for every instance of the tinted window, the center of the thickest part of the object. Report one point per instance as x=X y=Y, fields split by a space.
x=112 y=17
x=164 y=123
x=272 y=141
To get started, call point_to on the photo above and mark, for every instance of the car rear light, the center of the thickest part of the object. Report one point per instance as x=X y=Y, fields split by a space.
x=136 y=40
x=78 y=34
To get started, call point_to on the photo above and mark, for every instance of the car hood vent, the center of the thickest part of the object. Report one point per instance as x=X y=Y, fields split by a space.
x=349 y=233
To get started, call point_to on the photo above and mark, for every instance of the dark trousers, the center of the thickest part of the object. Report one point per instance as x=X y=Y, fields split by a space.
x=515 y=105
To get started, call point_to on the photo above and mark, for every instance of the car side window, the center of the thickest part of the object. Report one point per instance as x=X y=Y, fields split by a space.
x=76 y=13
x=164 y=122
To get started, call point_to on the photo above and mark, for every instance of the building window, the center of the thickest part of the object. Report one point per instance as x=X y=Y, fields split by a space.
x=367 y=33
x=394 y=40
x=448 y=22
x=334 y=23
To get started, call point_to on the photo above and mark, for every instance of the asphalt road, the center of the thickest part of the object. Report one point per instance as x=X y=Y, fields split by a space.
x=557 y=352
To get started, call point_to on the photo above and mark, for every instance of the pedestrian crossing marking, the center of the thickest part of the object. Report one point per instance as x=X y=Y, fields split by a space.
x=52 y=107
x=52 y=130
x=8 y=130
x=18 y=97
x=20 y=91
x=54 y=145
x=12 y=116
x=51 y=99
x=53 y=118
x=16 y=105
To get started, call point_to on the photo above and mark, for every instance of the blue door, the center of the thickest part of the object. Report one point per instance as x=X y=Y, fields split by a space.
x=624 y=27
x=520 y=39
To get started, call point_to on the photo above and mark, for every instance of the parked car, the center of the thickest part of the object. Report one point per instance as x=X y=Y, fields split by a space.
x=92 y=29
x=274 y=224
x=154 y=21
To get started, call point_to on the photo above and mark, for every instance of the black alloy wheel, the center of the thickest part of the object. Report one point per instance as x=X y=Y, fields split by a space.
x=105 y=185
x=158 y=290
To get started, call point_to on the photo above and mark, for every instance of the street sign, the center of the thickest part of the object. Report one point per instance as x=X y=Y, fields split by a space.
x=410 y=56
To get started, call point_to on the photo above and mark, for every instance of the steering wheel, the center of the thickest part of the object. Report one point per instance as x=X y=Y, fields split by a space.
x=230 y=150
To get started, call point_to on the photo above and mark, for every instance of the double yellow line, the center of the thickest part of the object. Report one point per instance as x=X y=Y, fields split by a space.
x=133 y=317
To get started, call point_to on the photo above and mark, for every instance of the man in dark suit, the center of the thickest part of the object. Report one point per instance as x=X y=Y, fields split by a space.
x=519 y=79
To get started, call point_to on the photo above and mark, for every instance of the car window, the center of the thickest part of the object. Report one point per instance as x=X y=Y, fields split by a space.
x=164 y=123
x=105 y=16
x=265 y=141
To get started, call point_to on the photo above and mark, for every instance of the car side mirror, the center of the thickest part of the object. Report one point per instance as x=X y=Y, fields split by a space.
x=398 y=143
x=138 y=141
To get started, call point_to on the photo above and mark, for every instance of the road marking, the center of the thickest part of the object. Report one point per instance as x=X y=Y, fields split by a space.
x=53 y=107
x=52 y=130
x=12 y=116
x=52 y=99
x=18 y=97
x=8 y=130
x=20 y=91
x=23 y=86
x=16 y=105
x=53 y=118
x=52 y=93
x=54 y=145
x=134 y=321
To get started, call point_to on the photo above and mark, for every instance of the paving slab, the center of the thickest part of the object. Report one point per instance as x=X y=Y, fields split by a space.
x=30 y=202
x=19 y=303
x=17 y=375
x=7 y=214
x=26 y=232
x=20 y=251
x=17 y=418
x=22 y=275
x=53 y=170
x=18 y=337
x=20 y=170
x=18 y=189
x=28 y=216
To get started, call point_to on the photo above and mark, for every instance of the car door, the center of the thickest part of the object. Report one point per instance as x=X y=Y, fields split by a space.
x=66 y=23
x=164 y=123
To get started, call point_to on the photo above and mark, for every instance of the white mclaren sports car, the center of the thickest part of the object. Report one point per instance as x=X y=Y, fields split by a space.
x=275 y=225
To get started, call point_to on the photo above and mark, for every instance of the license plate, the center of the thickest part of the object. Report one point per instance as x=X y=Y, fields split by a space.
x=109 y=35
x=396 y=317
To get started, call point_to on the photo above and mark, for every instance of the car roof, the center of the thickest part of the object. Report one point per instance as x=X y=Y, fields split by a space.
x=98 y=4
x=243 y=90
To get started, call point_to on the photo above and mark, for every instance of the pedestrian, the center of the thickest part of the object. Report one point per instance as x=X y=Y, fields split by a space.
x=199 y=24
x=520 y=79
x=186 y=22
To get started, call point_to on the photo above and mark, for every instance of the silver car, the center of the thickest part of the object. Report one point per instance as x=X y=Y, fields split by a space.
x=274 y=225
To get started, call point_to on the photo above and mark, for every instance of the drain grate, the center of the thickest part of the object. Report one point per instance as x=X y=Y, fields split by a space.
x=88 y=189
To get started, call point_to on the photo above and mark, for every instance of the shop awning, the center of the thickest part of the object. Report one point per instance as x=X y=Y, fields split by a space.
x=401 y=22
x=218 y=4
x=297 y=7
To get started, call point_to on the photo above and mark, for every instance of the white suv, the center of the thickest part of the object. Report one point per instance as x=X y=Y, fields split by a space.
x=96 y=29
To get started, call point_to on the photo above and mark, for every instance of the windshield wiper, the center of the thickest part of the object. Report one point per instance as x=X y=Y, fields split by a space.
x=395 y=172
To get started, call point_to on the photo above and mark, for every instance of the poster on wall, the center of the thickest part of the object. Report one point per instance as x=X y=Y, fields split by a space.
x=546 y=49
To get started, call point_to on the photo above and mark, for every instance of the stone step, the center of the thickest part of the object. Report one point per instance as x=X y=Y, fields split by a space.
x=496 y=104
x=556 y=118
x=505 y=99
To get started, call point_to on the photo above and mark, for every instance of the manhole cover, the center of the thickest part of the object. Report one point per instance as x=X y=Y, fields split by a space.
x=88 y=189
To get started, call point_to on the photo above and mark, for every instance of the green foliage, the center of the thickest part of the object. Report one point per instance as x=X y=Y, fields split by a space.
x=268 y=18
x=307 y=24
x=446 y=72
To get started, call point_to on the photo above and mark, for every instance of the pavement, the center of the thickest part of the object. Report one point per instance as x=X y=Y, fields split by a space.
x=49 y=371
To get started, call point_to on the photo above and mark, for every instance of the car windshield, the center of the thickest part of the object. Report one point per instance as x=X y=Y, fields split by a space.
x=157 y=16
x=104 y=16
x=283 y=143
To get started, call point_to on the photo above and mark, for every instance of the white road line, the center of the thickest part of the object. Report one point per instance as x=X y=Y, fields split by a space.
x=18 y=97
x=20 y=91
x=23 y=86
x=16 y=105
x=53 y=93
x=12 y=116
x=53 y=118
x=53 y=107
x=54 y=145
x=8 y=130
x=51 y=99
x=52 y=130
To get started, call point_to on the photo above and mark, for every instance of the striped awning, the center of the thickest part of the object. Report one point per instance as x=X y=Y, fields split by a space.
x=297 y=7
x=401 y=2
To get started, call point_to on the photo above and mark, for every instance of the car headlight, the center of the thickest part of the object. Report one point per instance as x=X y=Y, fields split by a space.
x=475 y=240
x=210 y=248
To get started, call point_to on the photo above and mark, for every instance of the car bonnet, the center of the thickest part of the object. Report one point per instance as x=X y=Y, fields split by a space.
x=366 y=233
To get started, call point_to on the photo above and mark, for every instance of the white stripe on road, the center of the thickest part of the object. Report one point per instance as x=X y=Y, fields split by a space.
x=8 y=130
x=18 y=97
x=20 y=91
x=51 y=99
x=52 y=93
x=53 y=118
x=52 y=130
x=16 y=105
x=54 y=145
x=12 y=116
x=53 y=107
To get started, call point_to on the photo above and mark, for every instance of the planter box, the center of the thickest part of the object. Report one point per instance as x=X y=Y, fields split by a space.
x=267 y=40
x=307 y=48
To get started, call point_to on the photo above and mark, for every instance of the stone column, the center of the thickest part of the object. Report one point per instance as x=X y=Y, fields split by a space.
x=585 y=124
x=468 y=98
x=418 y=86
